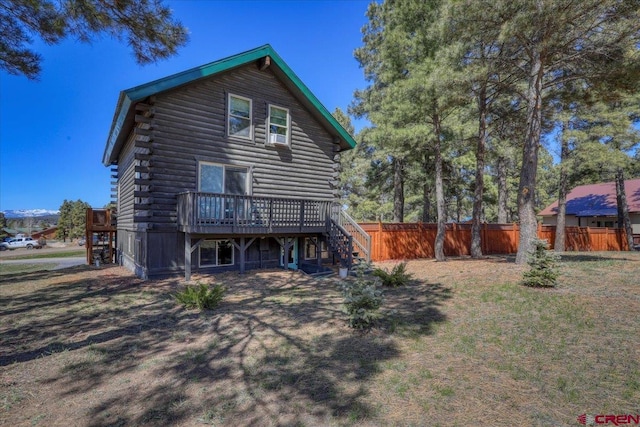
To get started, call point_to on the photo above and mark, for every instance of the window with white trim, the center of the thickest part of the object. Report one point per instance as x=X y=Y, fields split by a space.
x=216 y=253
x=239 y=117
x=279 y=124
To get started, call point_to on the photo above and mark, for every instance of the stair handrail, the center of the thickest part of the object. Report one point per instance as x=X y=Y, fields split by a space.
x=345 y=250
x=361 y=238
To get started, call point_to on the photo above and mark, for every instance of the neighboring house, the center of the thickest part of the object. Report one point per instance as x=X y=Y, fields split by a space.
x=10 y=231
x=19 y=231
x=595 y=205
x=48 y=233
x=229 y=166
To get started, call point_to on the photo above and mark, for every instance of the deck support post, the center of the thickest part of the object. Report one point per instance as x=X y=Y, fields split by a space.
x=242 y=248
x=318 y=252
x=187 y=257
x=242 y=254
x=285 y=258
x=285 y=244
x=188 y=250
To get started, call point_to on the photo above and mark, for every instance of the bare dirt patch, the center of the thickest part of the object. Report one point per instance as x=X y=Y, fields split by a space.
x=463 y=344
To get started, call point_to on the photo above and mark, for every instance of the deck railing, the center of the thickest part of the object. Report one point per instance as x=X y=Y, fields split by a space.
x=213 y=212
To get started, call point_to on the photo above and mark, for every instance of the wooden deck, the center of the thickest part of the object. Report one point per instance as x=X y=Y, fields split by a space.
x=100 y=222
x=224 y=214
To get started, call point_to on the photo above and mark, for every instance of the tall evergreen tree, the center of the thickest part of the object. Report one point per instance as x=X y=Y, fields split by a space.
x=72 y=220
x=3 y=225
x=480 y=51
x=550 y=42
x=65 y=220
x=147 y=26
x=407 y=99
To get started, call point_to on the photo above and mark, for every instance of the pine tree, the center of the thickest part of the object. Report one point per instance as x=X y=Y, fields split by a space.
x=546 y=44
x=146 y=25
x=72 y=220
x=3 y=225
x=407 y=100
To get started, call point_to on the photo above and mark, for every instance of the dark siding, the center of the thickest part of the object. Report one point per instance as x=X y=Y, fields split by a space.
x=189 y=125
x=126 y=175
x=166 y=252
x=131 y=249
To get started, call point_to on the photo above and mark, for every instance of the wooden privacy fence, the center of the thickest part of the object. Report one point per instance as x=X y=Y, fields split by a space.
x=416 y=240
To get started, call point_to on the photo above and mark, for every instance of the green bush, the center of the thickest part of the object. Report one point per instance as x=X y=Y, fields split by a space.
x=397 y=277
x=201 y=296
x=543 y=272
x=362 y=300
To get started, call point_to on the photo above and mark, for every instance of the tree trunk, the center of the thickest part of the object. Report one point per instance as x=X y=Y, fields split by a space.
x=398 y=189
x=528 y=173
x=439 y=243
x=426 y=191
x=476 y=221
x=502 y=190
x=623 y=209
x=426 y=202
x=562 y=194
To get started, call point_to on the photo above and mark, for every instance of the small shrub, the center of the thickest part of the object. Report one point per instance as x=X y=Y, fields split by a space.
x=362 y=300
x=544 y=266
x=397 y=277
x=201 y=296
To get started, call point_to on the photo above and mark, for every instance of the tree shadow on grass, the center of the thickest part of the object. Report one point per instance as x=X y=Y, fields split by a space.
x=584 y=257
x=414 y=309
x=12 y=278
x=275 y=352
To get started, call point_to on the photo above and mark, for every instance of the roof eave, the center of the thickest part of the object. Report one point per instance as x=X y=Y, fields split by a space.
x=130 y=97
x=114 y=139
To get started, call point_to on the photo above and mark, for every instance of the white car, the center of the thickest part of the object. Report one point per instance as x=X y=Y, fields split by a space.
x=20 y=242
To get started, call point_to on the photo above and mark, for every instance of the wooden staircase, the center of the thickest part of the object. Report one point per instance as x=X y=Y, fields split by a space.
x=346 y=239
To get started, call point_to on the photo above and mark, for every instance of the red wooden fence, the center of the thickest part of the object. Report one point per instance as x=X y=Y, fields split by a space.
x=416 y=240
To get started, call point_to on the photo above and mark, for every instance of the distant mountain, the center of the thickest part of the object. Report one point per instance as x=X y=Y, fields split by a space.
x=27 y=213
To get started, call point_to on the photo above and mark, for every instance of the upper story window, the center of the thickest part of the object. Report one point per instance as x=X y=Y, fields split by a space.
x=279 y=124
x=239 y=117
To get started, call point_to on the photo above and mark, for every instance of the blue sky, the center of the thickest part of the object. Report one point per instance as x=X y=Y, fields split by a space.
x=53 y=131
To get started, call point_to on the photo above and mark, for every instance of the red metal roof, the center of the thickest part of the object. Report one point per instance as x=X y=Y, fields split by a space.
x=597 y=199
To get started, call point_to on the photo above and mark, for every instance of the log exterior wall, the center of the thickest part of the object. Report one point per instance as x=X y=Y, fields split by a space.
x=177 y=129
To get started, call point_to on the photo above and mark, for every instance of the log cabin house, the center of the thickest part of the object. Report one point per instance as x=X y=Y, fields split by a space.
x=232 y=165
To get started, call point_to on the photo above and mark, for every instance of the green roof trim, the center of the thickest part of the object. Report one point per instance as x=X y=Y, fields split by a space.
x=128 y=98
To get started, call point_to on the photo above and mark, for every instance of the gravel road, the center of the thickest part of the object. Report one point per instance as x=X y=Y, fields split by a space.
x=6 y=257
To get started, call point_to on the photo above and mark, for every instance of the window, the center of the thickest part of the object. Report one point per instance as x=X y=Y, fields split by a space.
x=216 y=253
x=310 y=250
x=608 y=224
x=239 y=117
x=223 y=179
x=226 y=179
x=324 y=250
x=279 y=121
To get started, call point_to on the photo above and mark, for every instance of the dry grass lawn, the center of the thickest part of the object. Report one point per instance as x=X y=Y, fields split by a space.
x=464 y=344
